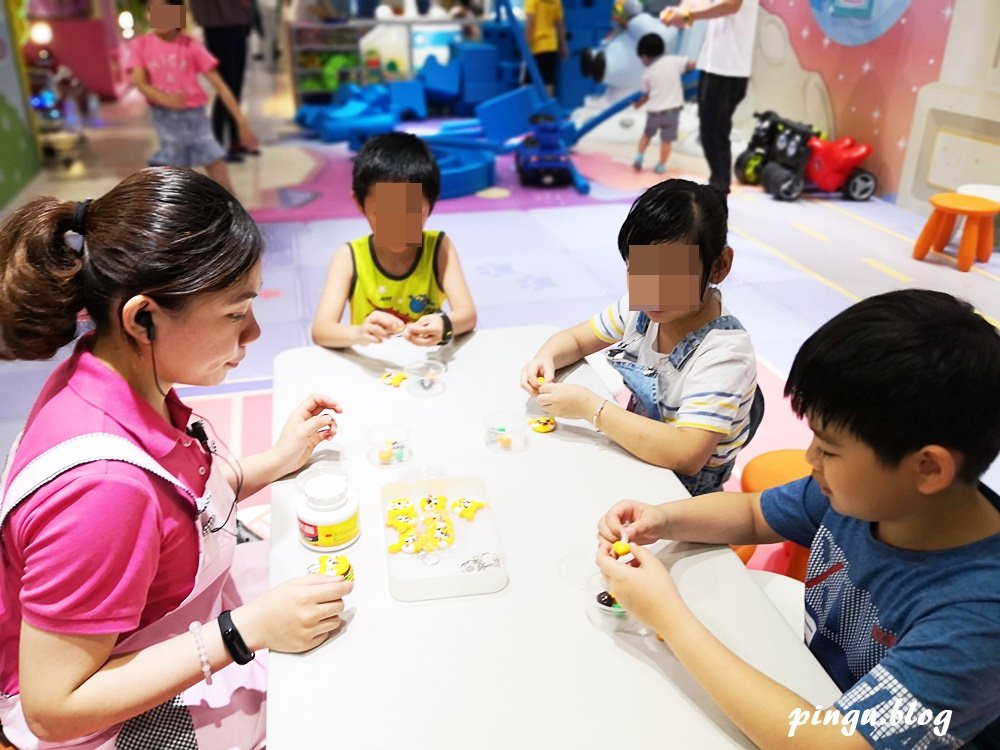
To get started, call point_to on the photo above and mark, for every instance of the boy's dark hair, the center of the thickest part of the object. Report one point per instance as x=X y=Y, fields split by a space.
x=903 y=370
x=396 y=157
x=651 y=46
x=172 y=234
x=678 y=211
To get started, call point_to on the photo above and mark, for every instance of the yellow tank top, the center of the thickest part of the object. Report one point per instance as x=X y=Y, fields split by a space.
x=408 y=297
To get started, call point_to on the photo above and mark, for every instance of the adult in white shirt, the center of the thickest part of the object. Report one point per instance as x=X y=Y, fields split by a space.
x=724 y=63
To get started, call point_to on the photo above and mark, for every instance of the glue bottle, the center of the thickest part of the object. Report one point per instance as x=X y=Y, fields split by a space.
x=327 y=512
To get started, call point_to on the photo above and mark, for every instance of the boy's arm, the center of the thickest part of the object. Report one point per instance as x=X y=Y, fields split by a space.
x=154 y=95
x=461 y=309
x=771 y=715
x=718 y=518
x=561 y=36
x=327 y=330
x=247 y=137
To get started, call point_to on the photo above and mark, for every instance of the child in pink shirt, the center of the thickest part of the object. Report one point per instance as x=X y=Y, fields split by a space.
x=166 y=65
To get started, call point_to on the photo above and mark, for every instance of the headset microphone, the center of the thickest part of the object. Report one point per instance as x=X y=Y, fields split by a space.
x=197 y=431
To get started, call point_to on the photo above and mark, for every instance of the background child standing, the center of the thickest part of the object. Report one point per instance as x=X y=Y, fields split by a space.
x=663 y=92
x=165 y=67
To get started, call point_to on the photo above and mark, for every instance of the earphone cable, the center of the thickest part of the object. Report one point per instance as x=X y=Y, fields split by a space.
x=237 y=469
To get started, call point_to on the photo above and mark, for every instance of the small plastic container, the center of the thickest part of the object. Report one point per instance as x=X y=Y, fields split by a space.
x=425 y=378
x=388 y=445
x=505 y=432
x=608 y=619
x=327 y=512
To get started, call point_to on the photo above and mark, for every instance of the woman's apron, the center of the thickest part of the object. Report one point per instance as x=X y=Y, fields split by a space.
x=644 y=383
x=226 y=715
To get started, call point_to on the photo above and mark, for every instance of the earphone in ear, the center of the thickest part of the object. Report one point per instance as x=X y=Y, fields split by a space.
x=145 y=319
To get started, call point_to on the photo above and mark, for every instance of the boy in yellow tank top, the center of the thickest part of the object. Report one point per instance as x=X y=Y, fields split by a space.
x=398 y=278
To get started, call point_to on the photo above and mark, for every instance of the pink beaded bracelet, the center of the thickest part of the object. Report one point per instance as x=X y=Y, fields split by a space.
x=206 y=668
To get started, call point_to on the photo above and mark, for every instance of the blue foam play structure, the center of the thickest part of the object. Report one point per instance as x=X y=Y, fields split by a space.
x=464 y=170
x=480 y=78
x=406 y=98
x=442 y=83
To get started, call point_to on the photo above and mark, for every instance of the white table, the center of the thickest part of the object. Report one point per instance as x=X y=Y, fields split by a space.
x=525 y=667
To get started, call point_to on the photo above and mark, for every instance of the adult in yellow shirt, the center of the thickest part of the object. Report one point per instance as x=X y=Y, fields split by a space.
x=546 y=35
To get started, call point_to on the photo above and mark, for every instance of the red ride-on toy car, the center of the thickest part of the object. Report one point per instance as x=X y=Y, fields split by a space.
x=830 y=166
x=834 y=165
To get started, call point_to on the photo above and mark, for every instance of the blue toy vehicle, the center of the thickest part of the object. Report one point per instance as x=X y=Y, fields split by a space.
x=541 y=158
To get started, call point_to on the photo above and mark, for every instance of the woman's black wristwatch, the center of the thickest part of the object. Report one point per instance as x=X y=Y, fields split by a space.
x=235 y=644
x=449 y=330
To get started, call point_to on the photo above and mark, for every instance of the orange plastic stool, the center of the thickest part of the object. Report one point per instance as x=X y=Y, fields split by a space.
x=773 y=469
x=977 y=237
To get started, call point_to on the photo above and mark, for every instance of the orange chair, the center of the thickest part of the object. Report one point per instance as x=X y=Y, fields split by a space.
x=773 y=469
x=977 y=237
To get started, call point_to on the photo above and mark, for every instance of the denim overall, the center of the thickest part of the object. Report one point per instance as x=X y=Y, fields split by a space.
x=643 y=382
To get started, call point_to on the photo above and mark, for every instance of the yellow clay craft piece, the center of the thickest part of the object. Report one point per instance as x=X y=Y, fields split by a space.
x=621 y=548
x=335 y=565
x=393 y=378
x=402 y=503
x=434 y=504
x=542 y=424
x=539 y=380
x=409 y=542
x=467 y=507
x=401 y=520
x=503 y=441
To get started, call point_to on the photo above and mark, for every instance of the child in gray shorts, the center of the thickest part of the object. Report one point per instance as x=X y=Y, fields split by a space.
x=663 y=93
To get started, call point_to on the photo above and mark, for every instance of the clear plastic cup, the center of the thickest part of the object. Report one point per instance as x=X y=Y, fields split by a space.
x=425 y=378
x=388 y=445
x=608 y=619
x=504 y=432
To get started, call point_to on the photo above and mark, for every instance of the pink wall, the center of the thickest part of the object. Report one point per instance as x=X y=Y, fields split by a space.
x=873 y=86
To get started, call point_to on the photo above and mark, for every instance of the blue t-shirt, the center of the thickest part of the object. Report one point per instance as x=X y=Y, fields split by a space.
x=900 y=629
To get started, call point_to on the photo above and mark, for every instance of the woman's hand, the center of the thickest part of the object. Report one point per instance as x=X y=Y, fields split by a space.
x=642 y=523
x=294 y=616
x=428 y=330
x=569 y=401
x=643 y=587
x=542 y=366
x=310 y=424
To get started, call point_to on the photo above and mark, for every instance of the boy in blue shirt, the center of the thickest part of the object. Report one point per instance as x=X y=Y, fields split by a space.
x=902 y=593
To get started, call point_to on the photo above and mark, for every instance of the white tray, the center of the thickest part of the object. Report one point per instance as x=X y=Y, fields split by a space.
x=413 y=577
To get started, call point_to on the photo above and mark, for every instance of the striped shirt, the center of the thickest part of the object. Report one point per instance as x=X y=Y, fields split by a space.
x=713 y=388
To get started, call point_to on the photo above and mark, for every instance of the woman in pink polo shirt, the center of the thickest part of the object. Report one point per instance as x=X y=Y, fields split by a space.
x=117 y=524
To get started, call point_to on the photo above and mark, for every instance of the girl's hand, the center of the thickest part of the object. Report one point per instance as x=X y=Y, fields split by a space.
x=643 y=587
x=378 y=326
x=542 y=366
x=310 y=424
x=644 y=523
x=569 y=401
x=294 y=616
x=248 y=138
x=426 y=331
x=172 y=100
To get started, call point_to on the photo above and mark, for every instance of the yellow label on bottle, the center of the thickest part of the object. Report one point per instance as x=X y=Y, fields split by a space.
x=330 y=535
